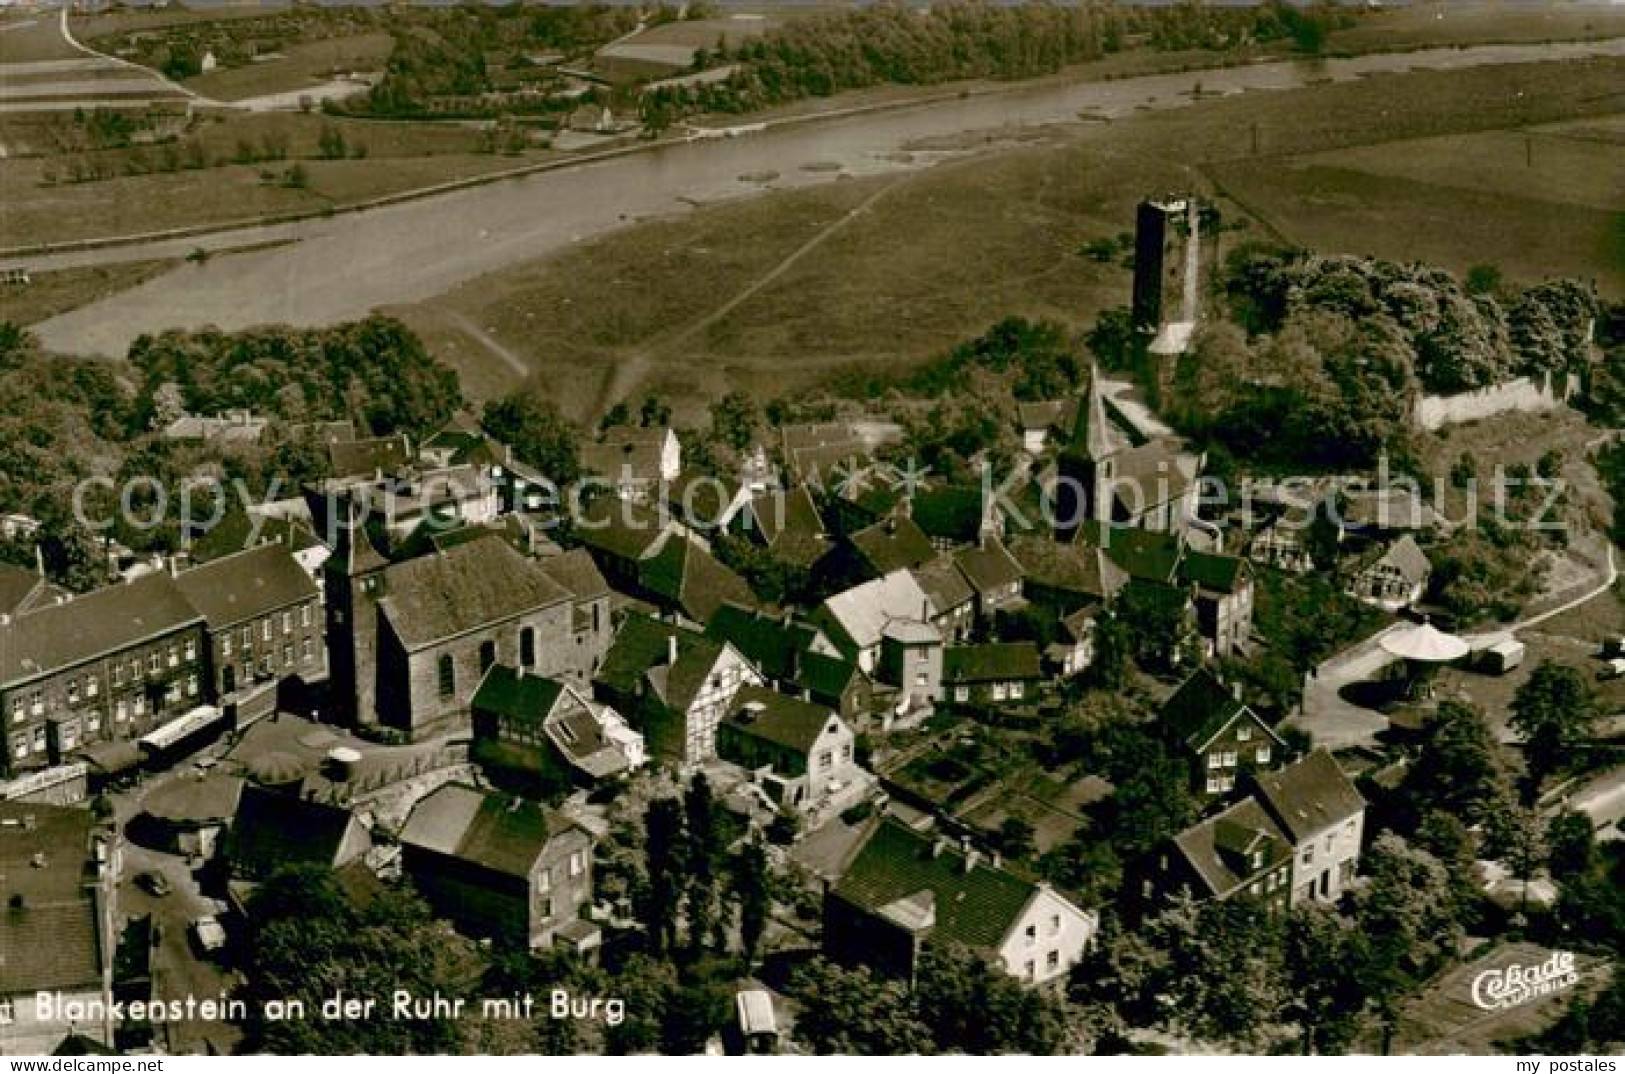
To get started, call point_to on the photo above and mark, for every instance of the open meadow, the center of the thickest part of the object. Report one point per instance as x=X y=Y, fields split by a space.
x=686 y=308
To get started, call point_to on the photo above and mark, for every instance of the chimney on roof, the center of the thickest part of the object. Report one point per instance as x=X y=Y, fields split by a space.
x=39 y=559
x=891 y=523
x=671 y=649
x=940 y=845
x=973 y=857
x=1235 y=690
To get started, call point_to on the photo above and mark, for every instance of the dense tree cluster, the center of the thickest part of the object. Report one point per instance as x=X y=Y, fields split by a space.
x=1326 y=355
x=375 y=372
x=895 y=44
x=959 y=1003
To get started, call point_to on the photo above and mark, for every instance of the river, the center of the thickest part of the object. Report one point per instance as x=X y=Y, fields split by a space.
x=339 y=268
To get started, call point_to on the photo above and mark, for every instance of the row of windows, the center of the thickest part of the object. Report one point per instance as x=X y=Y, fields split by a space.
x=1002 y=691
x=24 y=743
x=245 y=636
x=1052 y=962
x=88 y=687
x=446 y=666
x=1228 y=759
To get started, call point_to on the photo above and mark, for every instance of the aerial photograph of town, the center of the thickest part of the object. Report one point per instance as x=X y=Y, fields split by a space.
x=810 y=527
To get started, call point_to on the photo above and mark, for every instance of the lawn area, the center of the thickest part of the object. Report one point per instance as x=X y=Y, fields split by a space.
x=949 y=250
x=50 y=293
x=298 y=67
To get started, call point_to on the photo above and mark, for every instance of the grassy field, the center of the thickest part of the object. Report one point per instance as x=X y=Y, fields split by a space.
x=51 y=293
x=1444 y=23
x=32 y=38
x=399 y=156
x=946 y=252
x=298 y=67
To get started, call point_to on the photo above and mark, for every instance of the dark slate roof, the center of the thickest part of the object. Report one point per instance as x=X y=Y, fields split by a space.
x=626 y=450
x=85 y=627
x=1079 y=569
x=52 y=941
x=949 y=512
x=821 y=450
x=273 y=829
x=354 y=458
x=699 y=499
x=1406 y=557
x=246 y=585
x=988 y=566
x=1221 y=573
x=774 y=644
x=975 y=907
x=778 y=718
x=1309 y=795
x=1200 y=709
x=618 y=528
x=690 y=579
x=639 y=656
x=575 y=571
x=1219 y=848
x=472 y=585
x=506 y=691
x=944 y=584
x=506 y=835
x=791 y=526
x=999 y=662
x=1143 y=554
x=893 y=544
x=826 y=676
x=17 y=585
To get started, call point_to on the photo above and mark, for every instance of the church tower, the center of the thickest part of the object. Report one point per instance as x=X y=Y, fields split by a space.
x=354 y=578
x=1086 y=466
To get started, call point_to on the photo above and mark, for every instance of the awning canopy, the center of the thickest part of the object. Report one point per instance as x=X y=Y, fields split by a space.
x=1426 y=644
x=175 y=730
x=112 y=758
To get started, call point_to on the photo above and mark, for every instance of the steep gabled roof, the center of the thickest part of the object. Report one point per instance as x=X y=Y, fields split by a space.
x=949 y=512
x=773 y=644
x=893 y=544
x=1071 y=568
x=1309 y=795
x=1219 y=849
x=84 y=627
x=640 y=657
x=943 y=583
x=864 y=610
x=1407 y=558
x=777 y=718
x=1145 y=555
x=688 y=578
x=19 y=586
x=988 y=566
x=1215 y=572
x=996 y=662
x=513 y=693
x=1201 y=709
x=977 y=906
x=246 y=585
x=791 y=525
x=356 y=458
x=620 y=528
x=503 y=834
x=576 y=572
x=274 y=829
x=466 y=587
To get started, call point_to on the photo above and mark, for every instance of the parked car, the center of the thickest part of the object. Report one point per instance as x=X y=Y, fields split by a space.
x=209 y=934
x=1613 y=669
x=153 y=883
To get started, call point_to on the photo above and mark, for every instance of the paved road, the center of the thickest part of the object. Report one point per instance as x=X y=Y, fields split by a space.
x=342 y=268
